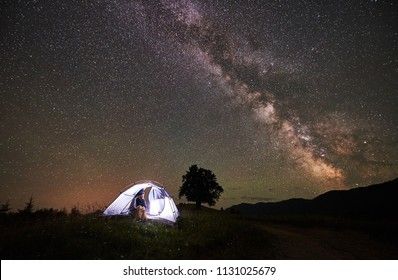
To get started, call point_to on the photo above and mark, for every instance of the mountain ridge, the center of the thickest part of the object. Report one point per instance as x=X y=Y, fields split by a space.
x=373 y=201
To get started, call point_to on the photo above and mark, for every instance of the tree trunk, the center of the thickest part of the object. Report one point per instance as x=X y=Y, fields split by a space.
x=198 y=205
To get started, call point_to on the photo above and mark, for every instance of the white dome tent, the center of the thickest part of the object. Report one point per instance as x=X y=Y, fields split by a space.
x=160 y=205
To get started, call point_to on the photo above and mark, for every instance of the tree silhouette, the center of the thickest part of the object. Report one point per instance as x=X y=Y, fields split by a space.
x=5 y=208
x=200 y=186
x=28 y=207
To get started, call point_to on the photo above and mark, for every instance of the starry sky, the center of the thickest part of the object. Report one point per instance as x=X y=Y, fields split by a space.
x=279 y=99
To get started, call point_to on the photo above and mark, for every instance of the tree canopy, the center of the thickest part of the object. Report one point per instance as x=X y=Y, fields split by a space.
x=200 y=186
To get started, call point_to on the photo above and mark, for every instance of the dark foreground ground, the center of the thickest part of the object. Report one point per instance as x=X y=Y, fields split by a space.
x=204 y=234
x=293 y=242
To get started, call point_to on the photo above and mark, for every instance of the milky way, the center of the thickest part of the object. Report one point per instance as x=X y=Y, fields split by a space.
x=279 y=99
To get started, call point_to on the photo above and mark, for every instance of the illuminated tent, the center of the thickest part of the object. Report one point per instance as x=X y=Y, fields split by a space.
x=160 y=205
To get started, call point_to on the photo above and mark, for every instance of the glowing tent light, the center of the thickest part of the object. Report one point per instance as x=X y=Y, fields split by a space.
x=160 y=204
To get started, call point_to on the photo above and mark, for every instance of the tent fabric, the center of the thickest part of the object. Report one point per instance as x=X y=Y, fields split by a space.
x=160 y=205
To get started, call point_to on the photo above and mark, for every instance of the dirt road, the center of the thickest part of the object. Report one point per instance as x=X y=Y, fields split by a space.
x=299 y=243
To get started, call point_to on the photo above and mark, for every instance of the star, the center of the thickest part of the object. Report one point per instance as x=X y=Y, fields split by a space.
x=277 y=99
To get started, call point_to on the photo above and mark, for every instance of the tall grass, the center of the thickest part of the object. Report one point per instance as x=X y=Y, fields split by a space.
x=198 y=234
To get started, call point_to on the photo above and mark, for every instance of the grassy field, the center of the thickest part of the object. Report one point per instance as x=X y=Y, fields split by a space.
x=204 y=234
x=198 y=234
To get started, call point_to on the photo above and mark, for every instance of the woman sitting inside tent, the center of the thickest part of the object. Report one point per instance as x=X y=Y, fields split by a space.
x=140 y=207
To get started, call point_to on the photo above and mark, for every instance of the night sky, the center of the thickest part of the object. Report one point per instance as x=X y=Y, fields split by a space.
x=279 y=99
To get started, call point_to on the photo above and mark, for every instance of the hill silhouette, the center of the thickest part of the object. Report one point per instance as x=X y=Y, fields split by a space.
x=376 y=201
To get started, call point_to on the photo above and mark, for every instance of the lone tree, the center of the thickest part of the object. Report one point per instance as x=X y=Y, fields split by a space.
x=200 y=185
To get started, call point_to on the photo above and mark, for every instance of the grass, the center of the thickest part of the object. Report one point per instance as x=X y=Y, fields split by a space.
x=198 y=234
